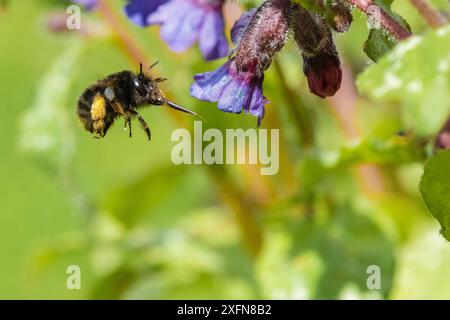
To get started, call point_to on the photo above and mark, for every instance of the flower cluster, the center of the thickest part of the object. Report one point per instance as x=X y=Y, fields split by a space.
x=257 y=37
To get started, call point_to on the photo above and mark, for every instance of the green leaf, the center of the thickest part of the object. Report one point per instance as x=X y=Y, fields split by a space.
x=380 y=41
x=378 y=44
x=417 y=75
x=435 y=189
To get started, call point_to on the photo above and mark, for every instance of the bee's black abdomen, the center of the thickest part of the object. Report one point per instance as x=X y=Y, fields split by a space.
x=84 y=112
x=84 y=107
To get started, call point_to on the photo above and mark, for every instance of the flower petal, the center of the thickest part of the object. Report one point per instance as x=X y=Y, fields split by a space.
x=209 y=86
x=180 y=22
x=234 y=96
x=212 y=41
x=239 y=26
x=139 y=10
x=233 y=91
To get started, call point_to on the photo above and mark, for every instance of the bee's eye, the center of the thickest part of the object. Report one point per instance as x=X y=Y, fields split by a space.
x=140 y=88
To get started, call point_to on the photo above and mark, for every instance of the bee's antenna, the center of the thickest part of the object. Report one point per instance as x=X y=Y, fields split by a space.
x=180 y=108
x=140 y=67
x=149 y=68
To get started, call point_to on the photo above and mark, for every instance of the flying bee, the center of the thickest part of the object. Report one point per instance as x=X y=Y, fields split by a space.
x=119 y=95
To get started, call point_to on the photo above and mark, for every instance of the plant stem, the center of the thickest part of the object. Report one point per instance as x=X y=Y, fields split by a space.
x=387 y=22
x=297 y=108
x=243 y=209
x=433 y=17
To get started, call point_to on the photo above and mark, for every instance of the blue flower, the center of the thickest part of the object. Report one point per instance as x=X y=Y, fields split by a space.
x=234 y=91
x=237 y=85
x=138 y=11
x=183 y=22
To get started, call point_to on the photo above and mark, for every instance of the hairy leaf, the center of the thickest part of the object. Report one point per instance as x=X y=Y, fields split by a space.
x=417 y=75
x=378 y=44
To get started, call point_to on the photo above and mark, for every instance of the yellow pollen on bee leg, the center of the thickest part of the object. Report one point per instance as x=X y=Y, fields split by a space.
x=98 y=108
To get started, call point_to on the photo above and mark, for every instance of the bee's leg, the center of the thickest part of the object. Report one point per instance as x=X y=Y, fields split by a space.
x=142 y=121
x=127 y=123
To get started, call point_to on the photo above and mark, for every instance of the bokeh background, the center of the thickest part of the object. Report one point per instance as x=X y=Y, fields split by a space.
x=346 y=196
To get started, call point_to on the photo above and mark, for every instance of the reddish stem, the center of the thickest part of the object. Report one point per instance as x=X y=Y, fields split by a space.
x=387 y=22
x=434 y=18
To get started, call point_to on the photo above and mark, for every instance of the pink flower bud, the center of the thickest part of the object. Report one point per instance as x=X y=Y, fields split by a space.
x=321 y=63
x=324 y=73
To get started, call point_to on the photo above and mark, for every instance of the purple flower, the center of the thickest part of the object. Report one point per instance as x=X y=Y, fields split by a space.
x=89 y=4
x=237 y=85
x=138 y=11
x=183 y=22
x=234 y=91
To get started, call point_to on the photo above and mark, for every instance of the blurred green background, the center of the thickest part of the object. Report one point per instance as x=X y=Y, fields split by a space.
x=141 y=227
